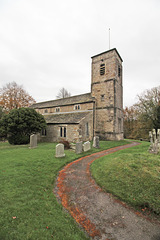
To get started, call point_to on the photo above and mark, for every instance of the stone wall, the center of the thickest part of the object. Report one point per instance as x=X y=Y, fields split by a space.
x=104 y=88
x=104 y=119
x=69 y=108
x=109 y=59
x=74 y=132
x=83 y=128
x=53 y=133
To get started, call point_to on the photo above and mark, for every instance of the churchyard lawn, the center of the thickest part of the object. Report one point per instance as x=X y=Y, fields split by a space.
x=29 y=209
x=133 y=175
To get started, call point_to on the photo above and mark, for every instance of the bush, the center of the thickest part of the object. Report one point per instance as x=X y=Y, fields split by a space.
x=18 y=139
x=20 y=123
x=65 y=143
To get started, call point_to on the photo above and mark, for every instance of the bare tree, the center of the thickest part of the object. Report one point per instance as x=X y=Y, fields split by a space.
x=148 y=104
x=63 y=93
x=13 y=96
x=144 y=115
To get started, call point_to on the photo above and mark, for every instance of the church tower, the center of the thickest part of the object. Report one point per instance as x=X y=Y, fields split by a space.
x=107 y=89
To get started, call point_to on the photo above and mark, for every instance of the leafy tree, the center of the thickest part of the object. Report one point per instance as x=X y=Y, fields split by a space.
x=13 y=96
x=63 y=93
x=20 y=123
x=2 y=132
x=1 y=112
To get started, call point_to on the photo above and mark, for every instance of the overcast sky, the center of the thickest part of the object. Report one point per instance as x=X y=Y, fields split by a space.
x=48 y=44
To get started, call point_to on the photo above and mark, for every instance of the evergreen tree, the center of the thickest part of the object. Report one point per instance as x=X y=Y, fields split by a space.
x=20 y=123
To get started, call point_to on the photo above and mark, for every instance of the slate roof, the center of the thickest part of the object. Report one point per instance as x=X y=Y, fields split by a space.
x=83 y=98
x=66 y=118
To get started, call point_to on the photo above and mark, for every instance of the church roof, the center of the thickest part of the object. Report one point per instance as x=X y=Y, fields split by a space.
x=83 y=98
x=66 y=118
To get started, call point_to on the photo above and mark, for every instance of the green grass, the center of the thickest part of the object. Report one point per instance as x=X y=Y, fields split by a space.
x=133 y=175
x=27 y=178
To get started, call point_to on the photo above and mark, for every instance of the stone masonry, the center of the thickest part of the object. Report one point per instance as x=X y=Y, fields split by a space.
x=108 y=92
x=98 y=113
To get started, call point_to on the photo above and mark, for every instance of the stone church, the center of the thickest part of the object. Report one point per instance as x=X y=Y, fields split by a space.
x=100 y=112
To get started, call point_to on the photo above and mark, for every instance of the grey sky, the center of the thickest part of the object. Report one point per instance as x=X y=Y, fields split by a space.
x=47 y=45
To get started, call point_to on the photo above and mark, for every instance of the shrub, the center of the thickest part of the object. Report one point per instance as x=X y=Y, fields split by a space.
x=65 y=143
x=20 y=123
x=18 y=139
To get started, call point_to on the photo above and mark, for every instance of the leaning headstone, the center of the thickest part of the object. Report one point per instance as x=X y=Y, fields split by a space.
x=33 y=141
x=86 y=146
x=79 y=147
x=60 y=150
x=96 y=142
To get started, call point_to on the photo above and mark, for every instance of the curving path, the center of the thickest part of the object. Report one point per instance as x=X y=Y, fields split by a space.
x=97 y=212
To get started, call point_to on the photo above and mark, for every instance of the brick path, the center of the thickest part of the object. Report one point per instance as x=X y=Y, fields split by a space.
x=101 y=216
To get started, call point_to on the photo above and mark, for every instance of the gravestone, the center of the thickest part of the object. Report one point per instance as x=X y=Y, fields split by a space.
x=158 y=137
x=96 y=142
x=60 y=150
x=79 y=147
x=86 y=146
x=73 y=146
x=155 y=141
x=150 y=137
x=154 y=135
x=33 y=141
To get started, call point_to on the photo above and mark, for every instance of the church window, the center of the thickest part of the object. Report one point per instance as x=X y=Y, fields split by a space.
x=102 y=98
x=43 y=132
x=77 y=107
x=87 y=129
x=63 y=132
x=102 y=69
x=46 y=111
x=119 y=71
x=119 y=125
x=57 y=109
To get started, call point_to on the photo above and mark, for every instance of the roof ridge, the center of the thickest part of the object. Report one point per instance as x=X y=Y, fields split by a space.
x=76 y=99
x=63 y=98
x=71 y=112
